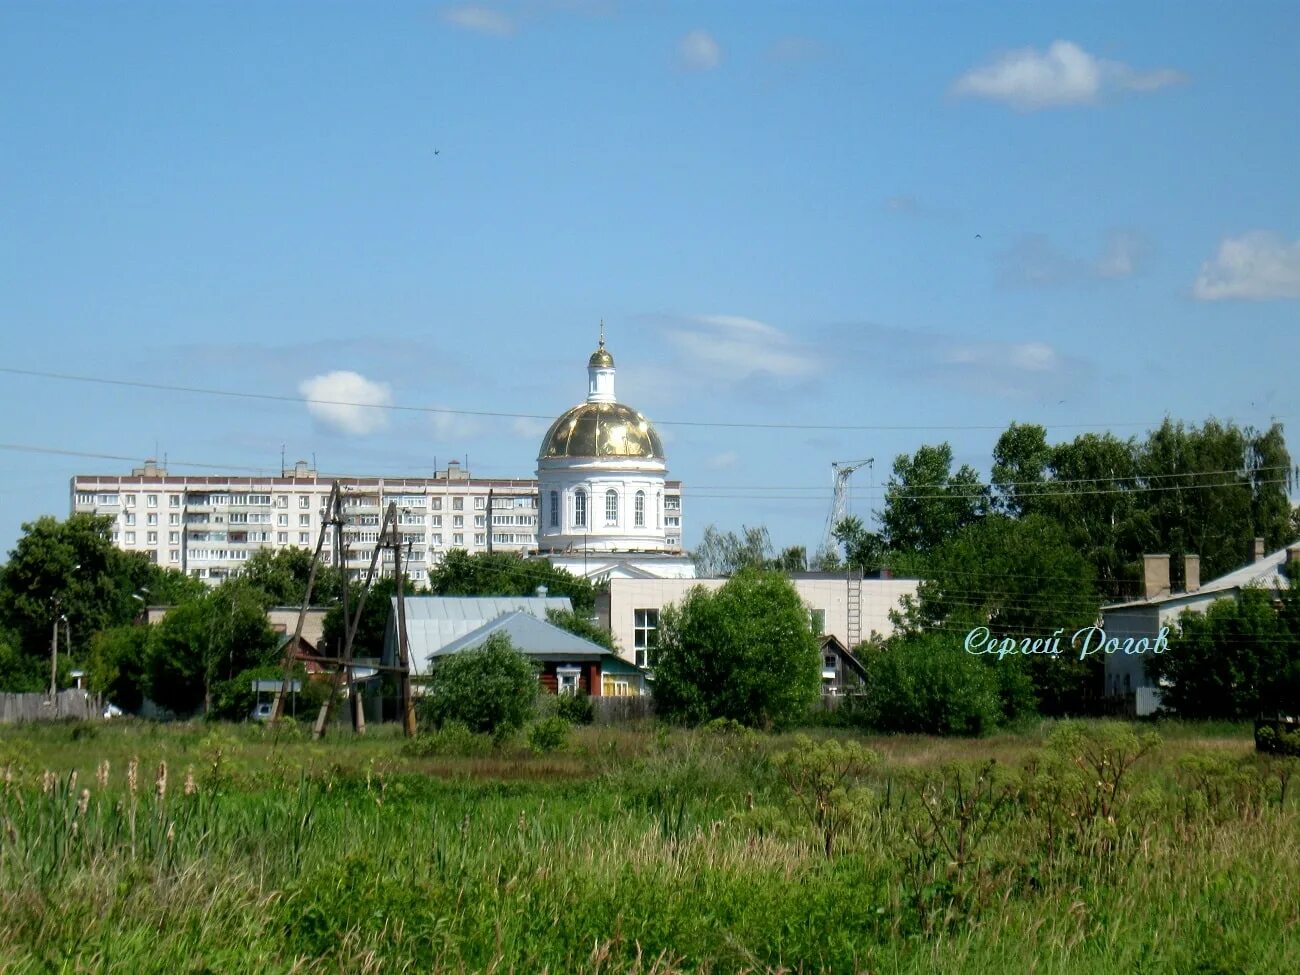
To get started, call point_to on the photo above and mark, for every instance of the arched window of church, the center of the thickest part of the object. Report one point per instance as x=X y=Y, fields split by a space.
x=580 y=508
x=555 y=509
x=659 y=509
x=611 y=507
x=638 y=510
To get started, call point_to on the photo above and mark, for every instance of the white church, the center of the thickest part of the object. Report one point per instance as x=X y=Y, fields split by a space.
x=600 y=479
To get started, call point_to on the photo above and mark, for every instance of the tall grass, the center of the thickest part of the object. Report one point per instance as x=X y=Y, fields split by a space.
x=647 y=851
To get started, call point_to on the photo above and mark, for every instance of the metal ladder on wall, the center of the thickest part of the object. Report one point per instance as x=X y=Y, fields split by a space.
x=855 y=609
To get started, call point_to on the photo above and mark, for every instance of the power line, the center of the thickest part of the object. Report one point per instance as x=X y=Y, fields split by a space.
x=395 y=407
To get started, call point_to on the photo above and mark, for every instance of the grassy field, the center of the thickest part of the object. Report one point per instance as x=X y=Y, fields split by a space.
x=148 y=848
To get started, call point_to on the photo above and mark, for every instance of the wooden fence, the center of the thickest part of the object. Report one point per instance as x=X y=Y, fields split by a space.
x=614 y=710
x=69 y=704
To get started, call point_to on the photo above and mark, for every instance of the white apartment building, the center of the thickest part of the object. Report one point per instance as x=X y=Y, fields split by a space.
x=208 y=525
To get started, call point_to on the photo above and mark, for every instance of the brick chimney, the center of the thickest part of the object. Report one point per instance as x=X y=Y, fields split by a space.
x=1155 y=576
x=1257 y=550
x=1191 y=573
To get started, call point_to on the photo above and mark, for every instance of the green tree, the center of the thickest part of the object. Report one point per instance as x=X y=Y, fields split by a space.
x=1019 y=578
x=282 y=574
x=369 y=639
x=583 y=626
x=170 y=587
x=745 y=652
x=1021 y=461
x=118 y=663
x=68 y=568
x=491 y=688
x=927 y=502
x=721 y=554
x=928 y=684
x=201 y=643
x=1239 y=658
x=508 y=574
x=21 y=673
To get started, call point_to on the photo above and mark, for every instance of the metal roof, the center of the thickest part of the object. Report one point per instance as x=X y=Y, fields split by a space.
x=432 y=622
x=1266 y=573
x=537 y=638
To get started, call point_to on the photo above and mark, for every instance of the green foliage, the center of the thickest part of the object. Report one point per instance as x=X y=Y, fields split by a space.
x=369 y=638
x=491 y=688
x=282 y=575
x=118 y=662
x=820 y=777
x=42 y=581
x=201 y=643
x=453 y=738
x=1239 y=658
x=1020 y=578
x=1104 y=752
x=583 y=626
x=575 y=708
x=926 y=502
x=508 y=574
x=21 y=673
x=745 y=651
x=549 y=734
x=927 y=683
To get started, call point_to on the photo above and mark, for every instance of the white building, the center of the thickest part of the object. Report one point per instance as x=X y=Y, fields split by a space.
x=847 y=607
x=1160 y=607
x=606 y=506
x=208 y=525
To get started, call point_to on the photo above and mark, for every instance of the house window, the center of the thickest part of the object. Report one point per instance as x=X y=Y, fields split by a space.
x=457 y=521
x=480 y=503
x=304 y=521
x=173 y=500
x=174 y=556
x=304 y=538
x=555 y=509
x=435 y=504
x=457 y=504
x=304 y=501
x=153 y=500
x=130 y=517
x=645 y=634
x=566 y=680
x=817 y=620
x=282 y=538
x=480 y=521
x=130 y=538
x=457 y=538
x=152 y=518
x=173 y=519
x=613 y=686
x=580 y=508
x=611 y=507
x=174 y=538
x=152 y=538
x=130 y=501
x=638 y=510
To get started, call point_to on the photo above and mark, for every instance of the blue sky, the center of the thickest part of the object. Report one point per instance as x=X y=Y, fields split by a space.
x=938 y=217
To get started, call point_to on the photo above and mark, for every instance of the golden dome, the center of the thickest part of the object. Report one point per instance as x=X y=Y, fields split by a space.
x=601 y=357
x=602 y=430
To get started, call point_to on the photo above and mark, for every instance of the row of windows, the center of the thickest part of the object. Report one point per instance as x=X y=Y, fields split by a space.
x=611 y=509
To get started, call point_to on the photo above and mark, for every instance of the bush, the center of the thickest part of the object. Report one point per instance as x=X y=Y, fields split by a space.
x=745 y=652
x=575 y=708
x=491 y=689
x=928 y=685
x=453 y=738
x=549 y=734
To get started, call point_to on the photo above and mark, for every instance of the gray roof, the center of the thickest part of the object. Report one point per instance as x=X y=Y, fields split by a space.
x=1266 y=572
x=432 y=622
x=532 y=636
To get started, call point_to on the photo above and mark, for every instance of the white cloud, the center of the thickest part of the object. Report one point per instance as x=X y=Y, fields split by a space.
x=346 y=402
x=1018 y=356
x=1124 y=251
x=528 y=428
x=731 y=348
x=1257 y=265
x=724 y=461
x=454 y=426
x=481 y=20
x=1064 y=74
x=698 y=51
x=1034 y=261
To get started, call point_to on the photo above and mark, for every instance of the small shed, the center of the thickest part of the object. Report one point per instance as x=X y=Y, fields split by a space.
x=567 y=662
x=842 y=672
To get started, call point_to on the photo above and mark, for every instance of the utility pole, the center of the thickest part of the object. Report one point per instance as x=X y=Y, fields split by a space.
x=54 y=655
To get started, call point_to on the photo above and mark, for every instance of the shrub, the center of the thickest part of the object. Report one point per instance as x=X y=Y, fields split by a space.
x=745 y=652
x=453 y=738
x=575 y=708
x=926 y=684
x=491 y=689
x=549 y=734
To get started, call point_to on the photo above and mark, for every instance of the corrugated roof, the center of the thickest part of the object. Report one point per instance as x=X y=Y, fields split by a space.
x=531 y=636
x=432 y=622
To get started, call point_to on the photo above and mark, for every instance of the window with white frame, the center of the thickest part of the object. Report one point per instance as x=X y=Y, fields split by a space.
x=153 y=500
x=645 y=634
x=458 y=538
x=611 y=507
x=638 y=510
x=304 y=501
x=282 y=538
x=151 y=538
x=457 y=504
x=304 y=521
x=173 y=500
x=567 y=679
x=480 y=503
x=580 y=508
x=555 y=509
x=130 y=538
x=151 y=518
x=130 y=517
